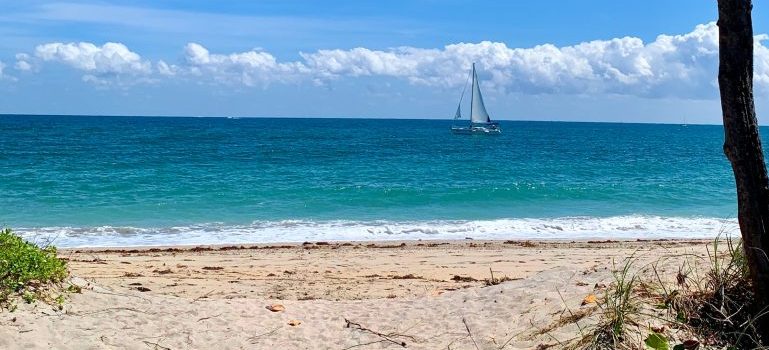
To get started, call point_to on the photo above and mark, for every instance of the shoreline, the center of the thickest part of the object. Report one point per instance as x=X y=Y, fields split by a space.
x=383 y=243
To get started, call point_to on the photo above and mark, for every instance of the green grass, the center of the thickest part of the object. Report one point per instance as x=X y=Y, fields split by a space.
x=619 y=307
x=26 y=270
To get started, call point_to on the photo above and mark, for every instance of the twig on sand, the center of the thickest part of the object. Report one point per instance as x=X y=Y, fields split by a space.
x=470 y=333
x=155 y=346
x=204 y=296
x=390 y=337
x=107 y=310
x=207 y=317
x=254 y=338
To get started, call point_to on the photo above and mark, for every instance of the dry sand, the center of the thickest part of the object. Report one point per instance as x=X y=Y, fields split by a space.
x=428 y=295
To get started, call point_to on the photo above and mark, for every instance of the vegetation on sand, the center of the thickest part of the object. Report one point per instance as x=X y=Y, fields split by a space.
x=26 y=270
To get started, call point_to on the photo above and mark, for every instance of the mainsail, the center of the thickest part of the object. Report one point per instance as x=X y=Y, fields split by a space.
x=478 y=112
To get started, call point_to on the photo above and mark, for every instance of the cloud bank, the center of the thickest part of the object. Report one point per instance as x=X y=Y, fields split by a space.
x=683 y=66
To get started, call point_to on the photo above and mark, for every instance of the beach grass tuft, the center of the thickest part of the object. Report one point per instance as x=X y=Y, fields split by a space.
x=27 y=270
x=720 y=305
x=709 y=301
x=619 y=307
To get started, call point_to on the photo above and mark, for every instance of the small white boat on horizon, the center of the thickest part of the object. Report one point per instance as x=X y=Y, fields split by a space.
x=480 y=122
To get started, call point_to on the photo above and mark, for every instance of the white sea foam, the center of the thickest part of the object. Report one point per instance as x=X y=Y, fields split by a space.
x=564 y=228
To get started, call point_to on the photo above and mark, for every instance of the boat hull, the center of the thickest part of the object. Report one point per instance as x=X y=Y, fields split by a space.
x=491 y=129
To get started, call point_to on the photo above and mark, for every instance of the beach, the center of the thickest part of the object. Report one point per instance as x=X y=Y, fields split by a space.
x=180 y=232
x=301 y=175
x=336 y=295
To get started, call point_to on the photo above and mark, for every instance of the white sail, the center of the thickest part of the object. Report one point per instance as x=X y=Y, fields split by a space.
x=478 y=112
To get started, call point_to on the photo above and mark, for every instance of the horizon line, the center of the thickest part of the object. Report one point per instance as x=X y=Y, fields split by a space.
x=337 y=117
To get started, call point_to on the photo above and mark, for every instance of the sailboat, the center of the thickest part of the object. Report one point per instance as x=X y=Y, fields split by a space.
x=480 y=123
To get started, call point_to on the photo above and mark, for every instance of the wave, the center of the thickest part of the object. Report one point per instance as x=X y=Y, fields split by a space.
x=563 y=228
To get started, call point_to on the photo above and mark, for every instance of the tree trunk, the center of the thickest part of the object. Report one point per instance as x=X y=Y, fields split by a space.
x=742 y=143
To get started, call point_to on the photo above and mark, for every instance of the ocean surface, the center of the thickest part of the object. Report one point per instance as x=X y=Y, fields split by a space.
x=123 y=181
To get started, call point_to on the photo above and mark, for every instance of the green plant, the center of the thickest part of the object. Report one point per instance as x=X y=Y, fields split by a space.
x=657 y=341
x=618 y=306
x=26 y=269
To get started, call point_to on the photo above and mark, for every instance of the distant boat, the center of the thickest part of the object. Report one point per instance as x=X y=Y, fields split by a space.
x=480 y=122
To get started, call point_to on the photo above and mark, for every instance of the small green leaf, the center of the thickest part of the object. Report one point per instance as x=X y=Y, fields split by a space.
x=657 y=341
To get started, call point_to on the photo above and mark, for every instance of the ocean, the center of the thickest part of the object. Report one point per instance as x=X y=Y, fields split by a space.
x=126 y=181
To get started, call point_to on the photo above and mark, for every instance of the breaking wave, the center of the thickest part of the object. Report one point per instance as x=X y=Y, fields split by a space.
x=563 y=228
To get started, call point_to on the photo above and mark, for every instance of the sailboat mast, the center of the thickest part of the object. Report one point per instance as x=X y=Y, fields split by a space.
x=472 y=95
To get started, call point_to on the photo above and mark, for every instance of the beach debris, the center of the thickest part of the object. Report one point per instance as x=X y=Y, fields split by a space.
x=589 y=299
x=132 y=274
x=162 y=272
x=204 y=296
x=458 y=278
x=294 y=323
x=201 y=249
x=213 y=268
x=155 y=345
x=389 y=337
x=406 y=277
x=276 y=307
x=143 y=289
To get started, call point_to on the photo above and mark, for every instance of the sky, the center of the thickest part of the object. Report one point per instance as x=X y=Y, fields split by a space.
x=572 y=60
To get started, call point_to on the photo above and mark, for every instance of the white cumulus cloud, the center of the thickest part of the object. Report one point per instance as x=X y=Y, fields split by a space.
x=761 y=61
x=23 y=62
x=684 y=65
x=108 y=59
x=254 y=67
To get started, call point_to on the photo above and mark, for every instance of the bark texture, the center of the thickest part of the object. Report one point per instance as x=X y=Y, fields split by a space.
x=742 y=144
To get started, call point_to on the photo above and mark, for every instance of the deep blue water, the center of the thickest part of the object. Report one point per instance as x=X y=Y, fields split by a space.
x=153 y=180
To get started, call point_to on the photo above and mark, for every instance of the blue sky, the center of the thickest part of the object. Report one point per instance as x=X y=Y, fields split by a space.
x=641 y=61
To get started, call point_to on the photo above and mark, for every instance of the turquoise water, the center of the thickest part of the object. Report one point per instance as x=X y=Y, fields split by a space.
x=102 y=181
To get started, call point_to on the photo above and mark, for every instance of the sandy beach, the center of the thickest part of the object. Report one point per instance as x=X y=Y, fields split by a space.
x=366 y=295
